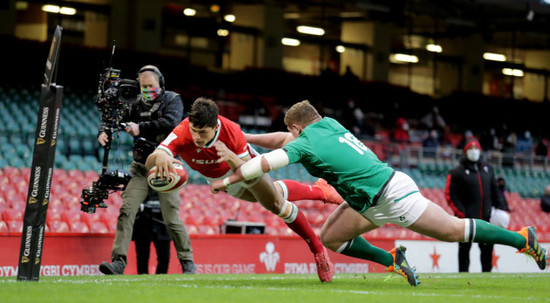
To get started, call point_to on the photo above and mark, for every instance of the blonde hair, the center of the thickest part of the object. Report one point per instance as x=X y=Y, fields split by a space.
x=302 y=113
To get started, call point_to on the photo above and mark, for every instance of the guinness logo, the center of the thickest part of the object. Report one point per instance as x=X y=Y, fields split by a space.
x=53 y=142
x=25 y=260
x=37 y=261
x=40 y=141
x=32 y=200
x=45 y=202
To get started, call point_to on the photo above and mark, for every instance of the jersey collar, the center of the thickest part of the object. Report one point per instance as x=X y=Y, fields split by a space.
x=209 y=144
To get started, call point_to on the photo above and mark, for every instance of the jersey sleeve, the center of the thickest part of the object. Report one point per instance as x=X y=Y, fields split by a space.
x=172 y=142
x=237 y=142
x=296 y=150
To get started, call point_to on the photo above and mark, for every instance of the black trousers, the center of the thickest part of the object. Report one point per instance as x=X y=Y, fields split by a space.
x=464 y=256
x=143 y=250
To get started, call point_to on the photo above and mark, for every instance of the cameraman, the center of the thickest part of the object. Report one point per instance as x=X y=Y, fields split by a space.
x=153 y=116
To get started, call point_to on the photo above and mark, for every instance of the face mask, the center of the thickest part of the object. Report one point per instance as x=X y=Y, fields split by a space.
x=473 y=154
x=150 y=94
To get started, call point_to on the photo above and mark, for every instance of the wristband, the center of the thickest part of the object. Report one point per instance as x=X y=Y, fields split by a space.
x=226 y=182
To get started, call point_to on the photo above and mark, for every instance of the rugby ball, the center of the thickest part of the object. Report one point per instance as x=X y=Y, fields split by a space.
x=174 y=182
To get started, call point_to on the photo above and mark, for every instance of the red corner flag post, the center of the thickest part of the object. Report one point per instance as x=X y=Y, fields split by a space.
x=34 y=222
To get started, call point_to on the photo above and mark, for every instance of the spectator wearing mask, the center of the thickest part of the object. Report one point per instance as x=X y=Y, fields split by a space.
x=401 y=132
x=471 y=190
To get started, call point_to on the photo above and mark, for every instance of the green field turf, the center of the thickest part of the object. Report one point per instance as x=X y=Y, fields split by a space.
x=474 y=287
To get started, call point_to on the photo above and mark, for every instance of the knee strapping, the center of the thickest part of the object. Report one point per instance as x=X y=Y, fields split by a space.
x=283 y=187
x=289 y=212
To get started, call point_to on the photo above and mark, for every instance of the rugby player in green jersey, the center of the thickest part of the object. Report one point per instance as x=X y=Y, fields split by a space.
x=375 y=193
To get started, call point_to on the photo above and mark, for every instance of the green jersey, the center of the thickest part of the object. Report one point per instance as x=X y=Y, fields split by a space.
x=327 y=150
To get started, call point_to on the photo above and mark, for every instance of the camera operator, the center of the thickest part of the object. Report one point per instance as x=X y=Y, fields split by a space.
x=151 y=118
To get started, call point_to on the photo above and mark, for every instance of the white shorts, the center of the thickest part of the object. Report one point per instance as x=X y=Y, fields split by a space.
x=400 y=203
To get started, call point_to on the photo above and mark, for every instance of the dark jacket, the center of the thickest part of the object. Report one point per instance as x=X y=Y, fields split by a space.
x=471 y=190
x=156 y=120
x=545 y=203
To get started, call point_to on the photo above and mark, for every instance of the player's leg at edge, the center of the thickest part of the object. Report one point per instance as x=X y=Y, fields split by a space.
x=344 y=224
x=438 y=224
x=265 y=192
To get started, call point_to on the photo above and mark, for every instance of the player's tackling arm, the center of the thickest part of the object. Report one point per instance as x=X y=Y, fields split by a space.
x=270 y=140
x=254 y=168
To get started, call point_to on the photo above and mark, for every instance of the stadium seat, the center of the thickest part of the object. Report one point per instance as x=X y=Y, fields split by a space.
x=55 y=213
x=11 y=214
x=15 y=226
x=192 y=230
x=79 y=227
x=89 y=219
x=99 y=227
x=11 y=171
x=207 y=230
x=71 y=216
x=58 y=226
x=3 y=227
x=107 y=217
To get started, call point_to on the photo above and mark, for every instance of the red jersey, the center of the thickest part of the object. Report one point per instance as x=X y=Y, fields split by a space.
x=203 y=159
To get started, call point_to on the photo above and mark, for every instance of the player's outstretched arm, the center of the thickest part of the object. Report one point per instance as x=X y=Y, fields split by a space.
x=270 y=140
x=163 y=161
x=253 y=168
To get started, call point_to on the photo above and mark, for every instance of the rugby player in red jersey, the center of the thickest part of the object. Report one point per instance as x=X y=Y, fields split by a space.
x=214 y=146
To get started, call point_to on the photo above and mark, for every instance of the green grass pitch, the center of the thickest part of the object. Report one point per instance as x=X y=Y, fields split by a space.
x=375 y=287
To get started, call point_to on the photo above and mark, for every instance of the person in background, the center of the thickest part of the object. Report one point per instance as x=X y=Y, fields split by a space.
x=545 y=200
x=401 y=131
x=150 y=119
x=431 y=143
x=471 y=190
x=542 y=148
x=150 y=227
x=501 y=183
x=434 y=120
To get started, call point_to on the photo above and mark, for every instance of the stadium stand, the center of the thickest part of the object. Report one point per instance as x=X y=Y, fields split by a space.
x=78 y=161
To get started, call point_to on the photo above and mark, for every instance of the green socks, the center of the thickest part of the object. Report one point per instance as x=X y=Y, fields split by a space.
x=488 y=233
x=360 y=248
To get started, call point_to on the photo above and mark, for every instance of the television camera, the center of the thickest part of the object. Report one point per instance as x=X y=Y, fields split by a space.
x=115 y=95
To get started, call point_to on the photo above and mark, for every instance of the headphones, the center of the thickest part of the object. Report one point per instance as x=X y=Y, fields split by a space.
x=150 y=68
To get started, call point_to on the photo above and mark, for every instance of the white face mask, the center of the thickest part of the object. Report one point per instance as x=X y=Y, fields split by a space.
x=473 y=154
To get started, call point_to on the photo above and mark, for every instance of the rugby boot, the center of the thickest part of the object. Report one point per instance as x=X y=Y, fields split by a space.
x=401 y=266
x=331 y=195
x=324 y=266
x=532 y=247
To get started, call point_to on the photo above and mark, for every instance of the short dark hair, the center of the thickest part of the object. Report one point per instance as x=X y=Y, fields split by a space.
x=204 y=113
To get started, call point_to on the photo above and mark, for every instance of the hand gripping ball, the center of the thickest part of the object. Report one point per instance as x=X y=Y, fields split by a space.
x=174 y=182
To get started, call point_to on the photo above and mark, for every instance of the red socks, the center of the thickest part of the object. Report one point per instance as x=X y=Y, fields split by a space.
x=297 y=191
x=303 y=229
